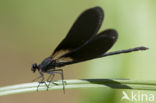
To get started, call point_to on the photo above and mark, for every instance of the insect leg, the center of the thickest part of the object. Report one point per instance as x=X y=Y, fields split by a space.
x=60 y=71
x=52 y=74
x=50 y=78
x=37 y=78
x=42 y=80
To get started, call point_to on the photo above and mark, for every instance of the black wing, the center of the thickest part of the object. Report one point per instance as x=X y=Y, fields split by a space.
x=99 y=45
x=85 y=27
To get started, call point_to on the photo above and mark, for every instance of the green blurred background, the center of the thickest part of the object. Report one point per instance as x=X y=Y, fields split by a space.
x=31 y=29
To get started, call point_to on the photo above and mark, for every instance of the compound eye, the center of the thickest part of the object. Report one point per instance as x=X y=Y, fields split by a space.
x=34 y=67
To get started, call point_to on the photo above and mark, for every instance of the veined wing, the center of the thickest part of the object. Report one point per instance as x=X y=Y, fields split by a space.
x=99 y=45
x=84 y=28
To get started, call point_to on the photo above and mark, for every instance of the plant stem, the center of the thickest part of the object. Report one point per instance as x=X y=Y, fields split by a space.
x=82 y=83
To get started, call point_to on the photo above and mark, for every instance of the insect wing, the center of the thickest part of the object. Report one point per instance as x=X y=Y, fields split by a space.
x=93 y=49
x=84 y=28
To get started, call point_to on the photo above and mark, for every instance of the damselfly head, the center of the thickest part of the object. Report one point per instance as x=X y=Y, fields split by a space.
x=34 y=67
